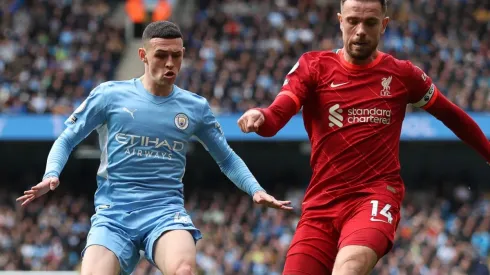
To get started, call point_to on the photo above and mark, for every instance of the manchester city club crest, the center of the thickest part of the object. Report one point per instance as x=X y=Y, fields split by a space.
x=181 y=121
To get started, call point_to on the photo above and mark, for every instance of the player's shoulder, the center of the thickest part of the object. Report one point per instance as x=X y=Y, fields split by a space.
x=403 y=67
x=321 y=56
x=190 y=97
x=113 y=86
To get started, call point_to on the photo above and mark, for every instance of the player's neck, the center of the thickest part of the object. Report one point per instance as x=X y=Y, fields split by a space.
x=354 y=61
x=155 y=89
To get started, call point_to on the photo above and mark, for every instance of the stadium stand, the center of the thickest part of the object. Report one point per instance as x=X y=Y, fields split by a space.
x=446 y=236
x=53 y=53
x=237 y=52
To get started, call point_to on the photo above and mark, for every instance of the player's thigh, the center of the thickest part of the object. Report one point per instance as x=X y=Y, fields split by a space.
x=99 y=260
x=109 y=250
x=171 y=244
x=175 y=253
x=368 y=234
x=313 y=249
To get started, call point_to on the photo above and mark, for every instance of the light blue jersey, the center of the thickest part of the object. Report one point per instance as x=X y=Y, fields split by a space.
x=144 y=141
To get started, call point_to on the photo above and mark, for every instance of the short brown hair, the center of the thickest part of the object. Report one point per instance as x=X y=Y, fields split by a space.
x=161 y=29
x=384 y=3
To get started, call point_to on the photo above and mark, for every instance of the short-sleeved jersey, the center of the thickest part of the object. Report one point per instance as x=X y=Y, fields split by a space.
x=144 y=140
x=353 y=116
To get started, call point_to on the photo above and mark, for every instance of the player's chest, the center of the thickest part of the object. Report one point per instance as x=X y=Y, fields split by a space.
x=360 y=99
x=362 y=89
x=140 y=118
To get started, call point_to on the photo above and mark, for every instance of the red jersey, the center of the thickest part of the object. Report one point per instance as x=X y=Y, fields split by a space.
x=353 y=116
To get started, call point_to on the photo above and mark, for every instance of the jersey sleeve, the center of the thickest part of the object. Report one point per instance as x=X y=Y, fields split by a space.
x=211 y=136
x=299 y=81
x=421 y=89
x=89 y=115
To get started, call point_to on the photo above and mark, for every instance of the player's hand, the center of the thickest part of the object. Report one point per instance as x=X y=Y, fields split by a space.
x=263 y=198
x=251 y=121
x=40 y=189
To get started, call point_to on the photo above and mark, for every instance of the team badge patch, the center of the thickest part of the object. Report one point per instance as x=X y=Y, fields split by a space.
x=181 y=121
x=72 y=119
x=218 y=126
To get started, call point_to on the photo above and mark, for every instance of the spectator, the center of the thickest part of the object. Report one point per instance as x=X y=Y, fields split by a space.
x=247 y=50
x=52 y=53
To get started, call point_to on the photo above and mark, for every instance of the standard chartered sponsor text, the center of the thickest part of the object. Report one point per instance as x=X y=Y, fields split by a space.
x=372 y=115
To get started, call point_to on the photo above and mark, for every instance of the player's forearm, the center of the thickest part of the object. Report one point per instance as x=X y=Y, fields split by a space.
x=277 y=115
x=237 y=171
x=59 y=154
x=462 y=125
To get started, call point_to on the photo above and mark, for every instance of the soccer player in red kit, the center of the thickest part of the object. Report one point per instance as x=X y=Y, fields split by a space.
x=354 y=101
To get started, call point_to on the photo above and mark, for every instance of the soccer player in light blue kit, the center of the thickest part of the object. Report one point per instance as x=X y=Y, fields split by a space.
x=144 y=128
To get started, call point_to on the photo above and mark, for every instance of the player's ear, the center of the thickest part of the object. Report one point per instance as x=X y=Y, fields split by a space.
x=385 y=24
x=142 y=55
x=339 y=16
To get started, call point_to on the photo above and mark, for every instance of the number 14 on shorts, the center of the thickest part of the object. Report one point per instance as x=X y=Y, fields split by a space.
x=385 y=212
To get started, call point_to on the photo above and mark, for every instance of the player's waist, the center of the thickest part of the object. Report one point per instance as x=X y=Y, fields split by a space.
x=102 y=205
x=144 y=182
x=324 y=193
x=333 y=173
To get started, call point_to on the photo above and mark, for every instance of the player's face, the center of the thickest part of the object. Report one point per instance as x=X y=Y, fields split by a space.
x=362 y=23
x=163 y=59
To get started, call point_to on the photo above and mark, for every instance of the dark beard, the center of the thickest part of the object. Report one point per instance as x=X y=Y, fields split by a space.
x=361 y=55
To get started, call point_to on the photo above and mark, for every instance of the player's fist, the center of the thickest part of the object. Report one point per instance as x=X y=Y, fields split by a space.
x=251 y=121
x=261 y=197
x=40 y=189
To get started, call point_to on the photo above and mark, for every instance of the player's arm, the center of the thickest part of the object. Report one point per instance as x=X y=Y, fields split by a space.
x=424 y=94
x=211 y=136
x=89 y=115
x=298 y=83
x=84 y=120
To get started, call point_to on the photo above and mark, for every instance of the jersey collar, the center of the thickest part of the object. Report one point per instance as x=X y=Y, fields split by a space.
x=351 y=66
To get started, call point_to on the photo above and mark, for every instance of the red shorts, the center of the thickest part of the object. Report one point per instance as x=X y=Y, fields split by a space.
x=368 y=220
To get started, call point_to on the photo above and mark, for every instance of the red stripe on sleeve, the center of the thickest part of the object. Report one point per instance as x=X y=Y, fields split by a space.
x=433 y=99
x=293 y=97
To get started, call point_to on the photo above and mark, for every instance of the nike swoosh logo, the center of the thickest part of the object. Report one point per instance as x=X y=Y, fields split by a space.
x=338 y=85
x=377 y=220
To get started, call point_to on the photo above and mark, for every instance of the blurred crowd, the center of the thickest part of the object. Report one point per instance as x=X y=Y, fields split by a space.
x=238 y=52
x=53 y=52
x=435 y=237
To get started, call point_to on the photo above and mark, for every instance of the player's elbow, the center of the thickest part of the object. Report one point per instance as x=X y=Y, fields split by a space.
x=66 y=141
x=227 y=164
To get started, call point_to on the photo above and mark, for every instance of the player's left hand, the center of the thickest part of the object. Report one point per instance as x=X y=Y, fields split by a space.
x=263 y=198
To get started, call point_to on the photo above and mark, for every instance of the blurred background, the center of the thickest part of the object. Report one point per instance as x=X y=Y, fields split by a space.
x=53 y=52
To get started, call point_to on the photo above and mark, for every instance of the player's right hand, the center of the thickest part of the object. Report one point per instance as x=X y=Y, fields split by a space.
x=251 y=121
x=261 y=197
x=38 y=190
